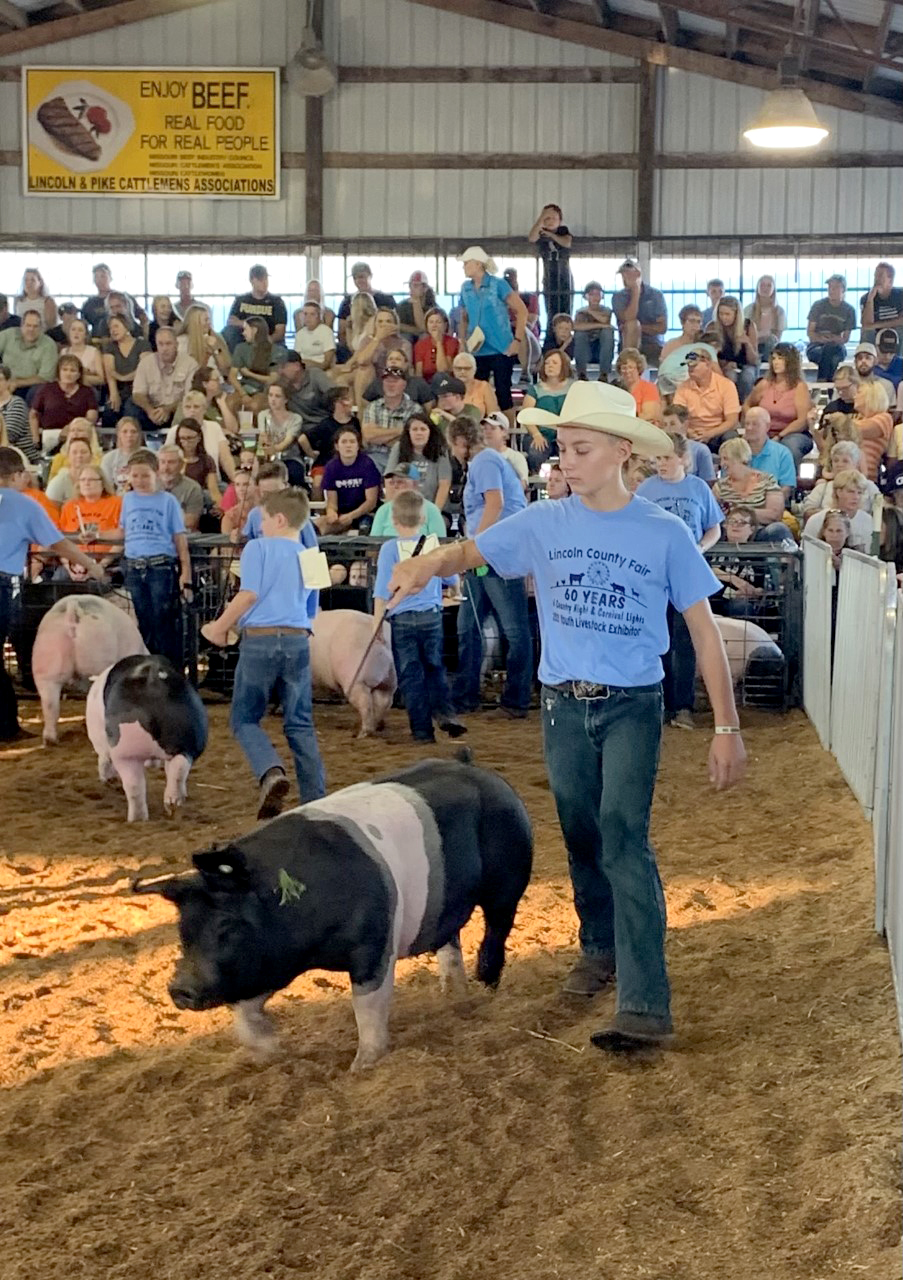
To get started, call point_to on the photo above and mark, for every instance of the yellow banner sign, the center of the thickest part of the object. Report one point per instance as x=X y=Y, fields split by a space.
x=141 y=131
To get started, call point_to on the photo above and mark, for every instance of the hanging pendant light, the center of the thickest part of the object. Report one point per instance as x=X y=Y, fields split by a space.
x=786 y=121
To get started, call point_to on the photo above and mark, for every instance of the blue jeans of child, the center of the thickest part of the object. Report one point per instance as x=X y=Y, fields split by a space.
x=417 y=649
x=600 y=348
x=277 y=663
x=827 y=355
x=506 y=598
x=154 y=588
x=602 y=756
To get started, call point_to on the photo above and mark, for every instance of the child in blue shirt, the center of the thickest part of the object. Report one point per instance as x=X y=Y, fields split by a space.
x=273 y=609
x=605 y=566
x=157 y=563
x=691 y=500
x=416 y=631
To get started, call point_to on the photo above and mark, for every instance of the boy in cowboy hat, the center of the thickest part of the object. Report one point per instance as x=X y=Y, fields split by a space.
x=605 y=567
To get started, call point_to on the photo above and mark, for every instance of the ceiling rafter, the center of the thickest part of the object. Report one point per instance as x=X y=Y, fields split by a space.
x=881 y=35
x=649 y=48
x=11 y=16
x=670 y=23
x=806 y=19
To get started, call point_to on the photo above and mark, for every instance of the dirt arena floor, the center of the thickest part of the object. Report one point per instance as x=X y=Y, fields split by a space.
x=138 y=1143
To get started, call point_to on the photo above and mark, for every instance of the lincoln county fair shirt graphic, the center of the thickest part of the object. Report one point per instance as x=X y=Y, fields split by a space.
x=145 y=131
x=593 y=598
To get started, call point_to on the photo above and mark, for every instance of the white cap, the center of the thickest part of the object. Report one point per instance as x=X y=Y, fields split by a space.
x=476 y=253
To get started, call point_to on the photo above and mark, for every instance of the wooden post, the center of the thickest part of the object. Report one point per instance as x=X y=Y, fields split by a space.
x=313 y=145
x=645 y=181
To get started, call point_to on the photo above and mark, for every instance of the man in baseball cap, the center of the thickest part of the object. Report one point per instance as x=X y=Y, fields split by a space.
x=606 y=569
x=865 y=357
x=641 y=313
x=889 y=365
x=449 y=392
x=830 y=322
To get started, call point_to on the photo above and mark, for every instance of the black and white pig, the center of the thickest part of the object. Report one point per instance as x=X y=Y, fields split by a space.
x=352 y=883
x=139 y=711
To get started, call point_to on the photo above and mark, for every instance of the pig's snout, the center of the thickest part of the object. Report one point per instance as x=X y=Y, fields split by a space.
x=184 y=996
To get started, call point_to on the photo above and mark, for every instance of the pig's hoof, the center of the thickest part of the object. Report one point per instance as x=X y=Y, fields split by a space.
x=365 y=1059
x=171 y=807
x=51 y=742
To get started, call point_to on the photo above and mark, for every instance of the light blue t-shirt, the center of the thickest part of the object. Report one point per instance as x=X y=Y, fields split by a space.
x=690 y=499
x=486 y=309
x=777 y=460
x=150 y=521
x=22 y=522
x=254 y=529
x=603 y=581
x=270 y=568
x=383 y=527
x=429 y=598
x=701 y=462
x=489 y=470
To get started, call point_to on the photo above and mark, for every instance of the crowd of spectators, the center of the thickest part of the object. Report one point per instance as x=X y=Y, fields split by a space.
x=384 y=395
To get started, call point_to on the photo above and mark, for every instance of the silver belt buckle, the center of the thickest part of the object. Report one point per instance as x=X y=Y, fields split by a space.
x=586 y=691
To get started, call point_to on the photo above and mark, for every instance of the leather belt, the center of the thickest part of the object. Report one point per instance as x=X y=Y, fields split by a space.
x=276 y=631
x=587 y=691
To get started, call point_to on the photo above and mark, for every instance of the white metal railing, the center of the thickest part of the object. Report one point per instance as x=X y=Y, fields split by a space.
x=863 y=670
x=818 y=590
x=893 y=882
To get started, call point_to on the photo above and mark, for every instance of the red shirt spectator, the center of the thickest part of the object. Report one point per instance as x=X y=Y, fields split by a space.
x=56 y=408
x=425 y=353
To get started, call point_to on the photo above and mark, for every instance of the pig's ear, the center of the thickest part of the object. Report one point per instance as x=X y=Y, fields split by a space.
x=223 y=868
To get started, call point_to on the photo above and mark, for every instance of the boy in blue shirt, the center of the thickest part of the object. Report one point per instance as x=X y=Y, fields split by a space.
x=273 y=609
x=492 y=493
x=23 y=523
x=699 y=461
x=605 y=566
x=273 y=478
x=416 y=631
x=691 y=500
x=157 y=563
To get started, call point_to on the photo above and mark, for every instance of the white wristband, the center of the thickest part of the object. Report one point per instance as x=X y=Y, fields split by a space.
x=727 y=728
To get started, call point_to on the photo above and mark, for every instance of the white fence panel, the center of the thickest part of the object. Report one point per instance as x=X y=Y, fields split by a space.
x=818 y=586
x=893 y=906
x=866 y=610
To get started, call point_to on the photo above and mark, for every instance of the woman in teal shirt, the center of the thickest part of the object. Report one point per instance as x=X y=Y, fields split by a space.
x=548 y=392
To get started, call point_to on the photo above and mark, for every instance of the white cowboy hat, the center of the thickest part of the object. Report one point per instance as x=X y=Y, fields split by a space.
x=597 y=406
x=476 y=253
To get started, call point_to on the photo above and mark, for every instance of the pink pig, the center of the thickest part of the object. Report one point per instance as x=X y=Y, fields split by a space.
x=142 y=711
x=339 y=642
x=80 y=636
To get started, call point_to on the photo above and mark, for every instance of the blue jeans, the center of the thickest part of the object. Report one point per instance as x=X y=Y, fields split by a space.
x=602 y=757
x=827 y=355
x=536 y=456
x=600 y=348
x=417 y=649
x=800 y=445
x=679 y=685
x=9 y=611
x=269 y=664
x=158 y=606
x=506 y=598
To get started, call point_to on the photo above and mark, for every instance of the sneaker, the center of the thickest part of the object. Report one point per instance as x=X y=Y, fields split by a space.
x=274 y=787
x=631 y=1031
x=683 y=720
x=589 y=976
x=454 y=728
x=423 y=737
